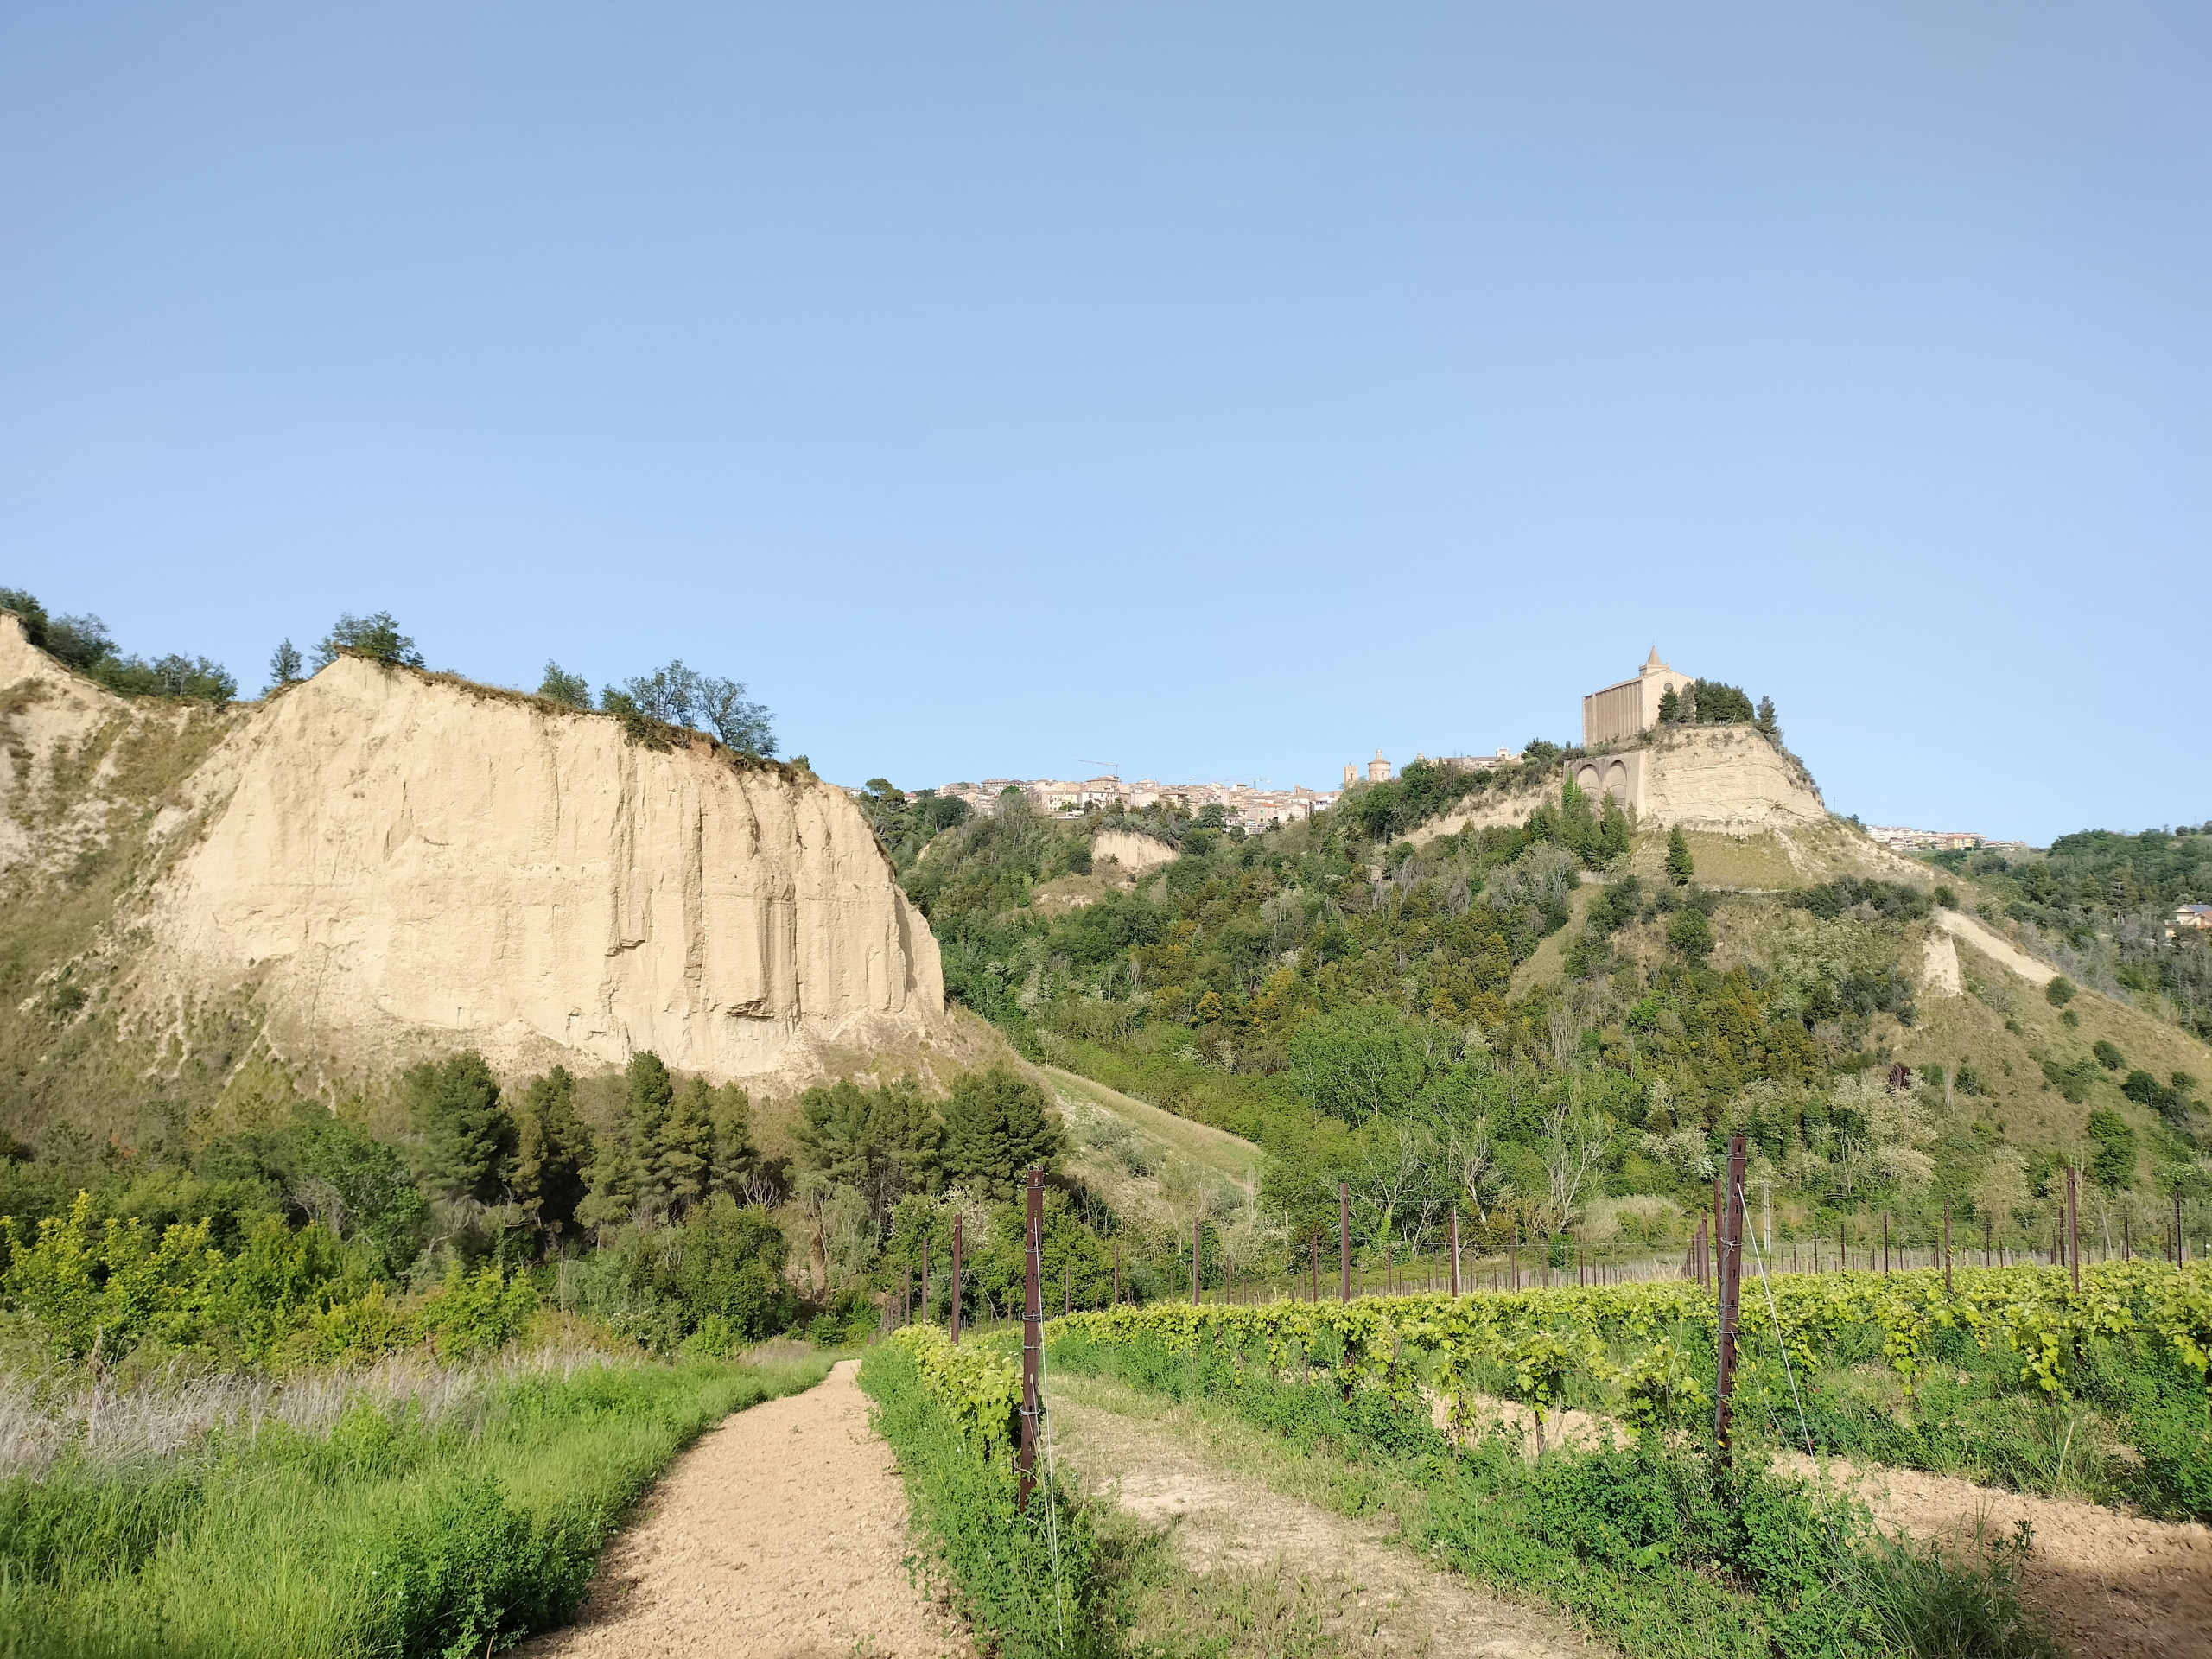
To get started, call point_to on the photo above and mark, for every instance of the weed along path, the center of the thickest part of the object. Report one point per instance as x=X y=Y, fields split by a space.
x=1338 y=1584
x=2116 y=1586
x=782 y=1534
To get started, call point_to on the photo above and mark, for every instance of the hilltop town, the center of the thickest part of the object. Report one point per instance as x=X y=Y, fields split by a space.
x=1622 y=712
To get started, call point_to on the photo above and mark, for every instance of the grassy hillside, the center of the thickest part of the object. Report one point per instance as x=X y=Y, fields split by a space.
x=2100 y=905
x=86 y=820
x=1545 y=1026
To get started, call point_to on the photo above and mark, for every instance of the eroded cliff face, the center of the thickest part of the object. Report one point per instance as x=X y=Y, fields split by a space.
x=1726 y=779
x=397 y=862
x=1135 y=852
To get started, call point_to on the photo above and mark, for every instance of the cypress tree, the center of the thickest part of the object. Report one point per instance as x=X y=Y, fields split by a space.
x=1680 y=865
x=1671 y=707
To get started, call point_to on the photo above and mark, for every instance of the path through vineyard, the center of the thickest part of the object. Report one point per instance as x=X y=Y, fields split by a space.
x=1340 y=1581
x=782 y=1534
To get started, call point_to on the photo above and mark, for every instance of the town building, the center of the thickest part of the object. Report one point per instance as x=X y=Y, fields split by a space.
x=1482 y=762
x=1900 y=839
x=1621 y=712
x=1247 y=803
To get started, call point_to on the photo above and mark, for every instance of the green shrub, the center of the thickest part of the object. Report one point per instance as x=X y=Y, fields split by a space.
x=1689 y=932
x=1027 y=1579
x=723 y=1261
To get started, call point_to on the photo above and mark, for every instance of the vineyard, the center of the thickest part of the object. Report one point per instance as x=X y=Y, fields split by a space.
x=1403 y=1342
x=2013 y=1376
x=2130 y=1345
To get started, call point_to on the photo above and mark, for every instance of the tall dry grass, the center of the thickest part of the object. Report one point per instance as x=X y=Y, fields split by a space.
x=396 y=1509
x=104 y=1426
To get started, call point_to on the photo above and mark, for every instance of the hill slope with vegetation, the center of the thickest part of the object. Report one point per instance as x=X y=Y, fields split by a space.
x=1554 y=1025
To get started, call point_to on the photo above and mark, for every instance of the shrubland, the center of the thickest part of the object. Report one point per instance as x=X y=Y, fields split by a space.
x=1552 y=1027
x=2100 y=904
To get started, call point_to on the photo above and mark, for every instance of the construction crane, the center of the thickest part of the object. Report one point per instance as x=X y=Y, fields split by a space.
x=1113 y=767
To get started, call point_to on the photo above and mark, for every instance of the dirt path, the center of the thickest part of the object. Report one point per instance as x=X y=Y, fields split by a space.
x=2116 y=1586
x=1996 y=947
x=782 y=1534
x=1225 y=1524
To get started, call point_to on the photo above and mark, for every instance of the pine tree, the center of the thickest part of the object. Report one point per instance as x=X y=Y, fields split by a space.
x=1680 y=865
x=1765 y=721
x=687 y=1144
x=1671 y=707
x=284 y=664
x=735 y=1157
x=552 y=1149
x=467 y=1139
x=997 y=1126
x=611 y=1197
x=650 y=1090
x=882 y=1143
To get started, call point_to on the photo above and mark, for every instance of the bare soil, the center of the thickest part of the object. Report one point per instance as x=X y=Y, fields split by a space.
x=782 y=1534
x=1236 y=1529
x=2115 y=1586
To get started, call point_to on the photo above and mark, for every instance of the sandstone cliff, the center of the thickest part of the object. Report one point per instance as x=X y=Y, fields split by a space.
x=380 y=864
x=389 y=855
x=1726 y=779
x=1134 y=851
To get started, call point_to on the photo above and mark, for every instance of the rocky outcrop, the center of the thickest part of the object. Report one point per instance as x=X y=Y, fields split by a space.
x=57 y=729
x=1725 y=778
x=1134 y=852
x=393 y=860
x=1731 y=780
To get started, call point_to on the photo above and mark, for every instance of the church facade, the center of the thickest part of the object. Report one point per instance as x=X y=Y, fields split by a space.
x=1631 y=708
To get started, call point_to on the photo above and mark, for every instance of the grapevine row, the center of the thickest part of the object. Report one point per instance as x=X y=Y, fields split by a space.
x=1399 y=1342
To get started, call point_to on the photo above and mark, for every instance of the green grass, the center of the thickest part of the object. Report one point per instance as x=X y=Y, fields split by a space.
x=1216 y=1151
x=1031 y=1587
x=384 y=1536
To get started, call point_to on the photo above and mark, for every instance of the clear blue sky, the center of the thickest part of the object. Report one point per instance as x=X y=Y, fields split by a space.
x=1221 y=390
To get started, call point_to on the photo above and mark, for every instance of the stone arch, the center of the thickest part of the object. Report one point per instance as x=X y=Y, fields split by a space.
x=1616 y=784
x=1586 y=778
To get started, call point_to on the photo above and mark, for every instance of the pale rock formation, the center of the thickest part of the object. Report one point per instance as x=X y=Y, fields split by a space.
x=1729 y=780
x=1994 y=946
x=398 y=861
x=1135 y=853
x=1939 y=966
x=47 y=715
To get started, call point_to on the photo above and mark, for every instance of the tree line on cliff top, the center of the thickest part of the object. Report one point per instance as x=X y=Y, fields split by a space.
x=672 y=696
